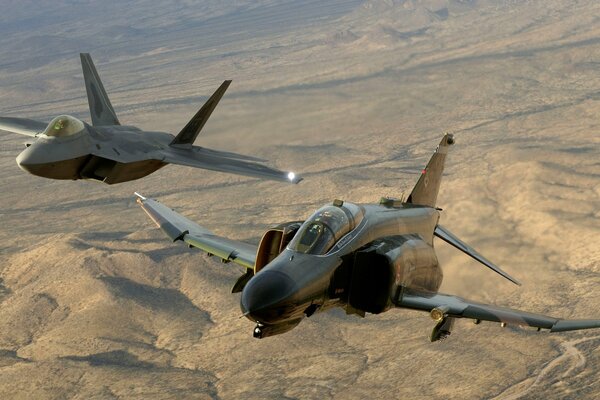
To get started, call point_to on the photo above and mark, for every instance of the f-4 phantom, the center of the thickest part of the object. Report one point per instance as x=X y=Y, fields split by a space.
x=365 y=258
x=68 y=148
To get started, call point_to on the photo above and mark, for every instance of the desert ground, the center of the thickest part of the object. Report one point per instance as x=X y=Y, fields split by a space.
x=96 y=303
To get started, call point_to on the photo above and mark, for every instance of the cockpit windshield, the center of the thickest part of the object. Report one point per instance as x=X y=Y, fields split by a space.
x=64 y=125
x=324 y=228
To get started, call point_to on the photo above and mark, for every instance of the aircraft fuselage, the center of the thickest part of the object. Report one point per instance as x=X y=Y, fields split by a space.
x=110 y=154
x=296 y=284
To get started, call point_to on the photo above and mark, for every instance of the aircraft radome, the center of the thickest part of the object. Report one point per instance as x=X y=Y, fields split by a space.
x=68 y=148
x=365 y=258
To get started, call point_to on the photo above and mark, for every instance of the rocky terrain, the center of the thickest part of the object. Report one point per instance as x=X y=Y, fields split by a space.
x=96 y=303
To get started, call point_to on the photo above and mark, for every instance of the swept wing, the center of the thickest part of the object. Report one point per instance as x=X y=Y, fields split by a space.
x=457 y=307
x=177 y=227
x=225 y=162
x=181 y=150
x=22 y=126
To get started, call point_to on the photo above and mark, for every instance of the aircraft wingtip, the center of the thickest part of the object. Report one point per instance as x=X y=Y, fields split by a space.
x=293 y=178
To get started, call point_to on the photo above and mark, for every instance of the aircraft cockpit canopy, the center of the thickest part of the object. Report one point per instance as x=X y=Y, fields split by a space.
x=319 y=233
x=64 y=125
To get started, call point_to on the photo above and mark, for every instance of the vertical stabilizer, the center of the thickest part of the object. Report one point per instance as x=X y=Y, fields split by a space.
x=189 y=133
x=426 y=190
x=101 y=110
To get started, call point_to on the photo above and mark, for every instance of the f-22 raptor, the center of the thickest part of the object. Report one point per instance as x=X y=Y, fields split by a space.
x=106 y=151
x=365 y=258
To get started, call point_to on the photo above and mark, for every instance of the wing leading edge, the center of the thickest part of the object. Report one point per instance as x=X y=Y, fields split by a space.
x=457 y=307
x=22 y=126
x=177 y=227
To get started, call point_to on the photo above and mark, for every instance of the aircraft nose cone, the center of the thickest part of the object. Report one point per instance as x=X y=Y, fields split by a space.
x=28 y=158
x=265 y=297
x=24 y=158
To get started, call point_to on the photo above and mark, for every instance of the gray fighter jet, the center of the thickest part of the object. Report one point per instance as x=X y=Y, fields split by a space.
x=107 y=151
x=365 y=258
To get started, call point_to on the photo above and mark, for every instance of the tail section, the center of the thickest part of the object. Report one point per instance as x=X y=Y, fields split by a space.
x=426 y=190
x=188 y=134
x=101 y=110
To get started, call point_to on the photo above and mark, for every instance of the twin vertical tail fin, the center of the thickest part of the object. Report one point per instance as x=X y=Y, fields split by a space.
x=188 y=134
x=426 y=190
x=101 y=110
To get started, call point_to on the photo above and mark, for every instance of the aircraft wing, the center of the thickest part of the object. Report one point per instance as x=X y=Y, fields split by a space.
x=22 y=126
x=177 y=227
x=453 y=306
x=226 y=162
x=203 y=152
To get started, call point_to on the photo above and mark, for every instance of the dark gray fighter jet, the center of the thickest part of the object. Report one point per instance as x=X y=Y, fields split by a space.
x=365 y=258
x=107 y=151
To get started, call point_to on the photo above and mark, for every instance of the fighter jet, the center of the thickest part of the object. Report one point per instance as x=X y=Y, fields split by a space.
x=364 y=258
x=106 y=151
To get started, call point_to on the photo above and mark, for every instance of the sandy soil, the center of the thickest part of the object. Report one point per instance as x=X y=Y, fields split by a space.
x=96 y=303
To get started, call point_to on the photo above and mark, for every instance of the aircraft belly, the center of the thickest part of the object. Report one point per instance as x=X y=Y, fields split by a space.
x=123 y=172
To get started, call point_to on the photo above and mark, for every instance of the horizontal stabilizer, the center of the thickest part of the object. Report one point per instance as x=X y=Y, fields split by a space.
x=101 y=110
x=189 y=133
x=449 y=238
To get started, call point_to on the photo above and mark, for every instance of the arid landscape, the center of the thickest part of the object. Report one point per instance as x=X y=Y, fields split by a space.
x=96 y=303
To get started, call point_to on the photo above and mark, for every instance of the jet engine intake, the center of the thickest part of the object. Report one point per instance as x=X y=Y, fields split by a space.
x=274 y=242
x=368 y=279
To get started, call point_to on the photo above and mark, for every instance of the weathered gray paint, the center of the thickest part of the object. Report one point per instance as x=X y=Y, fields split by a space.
x=294 y=285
